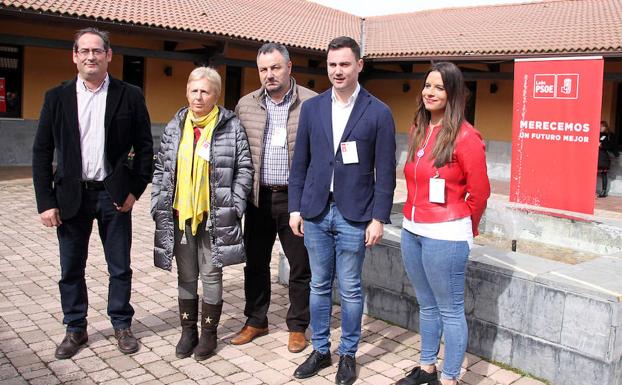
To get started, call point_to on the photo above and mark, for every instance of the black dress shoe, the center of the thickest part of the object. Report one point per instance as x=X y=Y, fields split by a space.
x=419 y=376
x=313 y=364
x=346 y=372
x=126 y=341
x=71 y=344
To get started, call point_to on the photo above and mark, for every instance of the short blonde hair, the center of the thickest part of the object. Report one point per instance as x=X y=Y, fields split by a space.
x=212 y=76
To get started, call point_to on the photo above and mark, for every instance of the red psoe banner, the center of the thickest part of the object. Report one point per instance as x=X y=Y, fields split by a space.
x=2 y=95
x=555 y=130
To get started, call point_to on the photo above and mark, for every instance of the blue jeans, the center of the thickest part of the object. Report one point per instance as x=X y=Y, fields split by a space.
x=436 y=270
x=115 y=232
x=335 y=246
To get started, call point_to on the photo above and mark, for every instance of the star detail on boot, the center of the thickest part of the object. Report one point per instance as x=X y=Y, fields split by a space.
x=208 y=320
x=184 y=315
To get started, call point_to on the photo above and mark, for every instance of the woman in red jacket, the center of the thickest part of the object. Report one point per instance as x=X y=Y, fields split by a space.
x=447 y=191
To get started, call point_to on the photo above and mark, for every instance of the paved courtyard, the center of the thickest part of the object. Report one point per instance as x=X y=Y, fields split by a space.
x=30 y=321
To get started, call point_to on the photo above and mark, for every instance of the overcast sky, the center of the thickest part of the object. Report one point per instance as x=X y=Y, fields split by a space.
x=385 y=7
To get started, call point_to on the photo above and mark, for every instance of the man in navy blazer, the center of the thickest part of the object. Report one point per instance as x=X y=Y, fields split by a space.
x=91 y=123
x=340 y=194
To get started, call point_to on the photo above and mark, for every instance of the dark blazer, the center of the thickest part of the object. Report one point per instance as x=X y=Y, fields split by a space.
x=127 y=126
x=362 y=191
x=608 y=145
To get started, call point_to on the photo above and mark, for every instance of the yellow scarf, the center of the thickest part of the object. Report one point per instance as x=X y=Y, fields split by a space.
x=192 y=190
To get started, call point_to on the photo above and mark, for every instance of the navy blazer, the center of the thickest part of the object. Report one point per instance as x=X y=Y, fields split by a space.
x=127 y=127
x=362 y=191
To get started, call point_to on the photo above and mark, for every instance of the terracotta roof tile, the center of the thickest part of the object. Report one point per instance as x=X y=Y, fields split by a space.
x=555 y=26
x=297 y=23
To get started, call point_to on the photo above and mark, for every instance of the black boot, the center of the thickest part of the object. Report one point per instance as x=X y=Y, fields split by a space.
x=603 y=193
x=209 y=324
x=188 y=316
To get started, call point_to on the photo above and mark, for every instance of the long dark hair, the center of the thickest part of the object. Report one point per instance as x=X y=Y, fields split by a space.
x=457 y=93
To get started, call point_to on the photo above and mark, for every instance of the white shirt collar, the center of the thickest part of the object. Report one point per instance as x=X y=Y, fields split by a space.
x=81 y=85
x=351 y=100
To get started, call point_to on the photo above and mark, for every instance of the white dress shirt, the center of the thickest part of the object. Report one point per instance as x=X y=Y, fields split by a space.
x=456 y=230
x=91 y=114
x=341 y=113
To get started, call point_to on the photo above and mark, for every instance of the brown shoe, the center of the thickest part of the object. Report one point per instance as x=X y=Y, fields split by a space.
x=126 y=341
x=297 y=342
x=72 y=343
x=247 y=334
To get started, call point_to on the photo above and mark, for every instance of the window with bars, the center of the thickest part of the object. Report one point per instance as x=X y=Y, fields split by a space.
x=10 y=81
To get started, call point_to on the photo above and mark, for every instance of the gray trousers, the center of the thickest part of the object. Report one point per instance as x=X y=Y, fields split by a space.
x=194 y=258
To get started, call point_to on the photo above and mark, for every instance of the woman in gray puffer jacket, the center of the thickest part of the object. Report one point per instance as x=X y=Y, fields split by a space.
x=203 y=176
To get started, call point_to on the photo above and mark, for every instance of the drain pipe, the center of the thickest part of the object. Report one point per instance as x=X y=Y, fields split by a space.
x=362 y=43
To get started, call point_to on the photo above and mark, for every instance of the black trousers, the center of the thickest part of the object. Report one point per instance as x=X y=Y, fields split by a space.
x=115 y=232
x=262 y=224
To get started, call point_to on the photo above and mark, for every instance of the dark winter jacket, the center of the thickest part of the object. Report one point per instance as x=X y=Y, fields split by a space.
x=607 y=146
x=231 y=179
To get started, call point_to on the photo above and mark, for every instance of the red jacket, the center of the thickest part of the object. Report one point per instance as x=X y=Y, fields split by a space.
x=466 y=173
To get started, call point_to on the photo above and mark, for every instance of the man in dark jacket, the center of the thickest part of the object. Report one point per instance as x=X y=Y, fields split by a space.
x=91 y=123
x=270 y=117
x=340 y=195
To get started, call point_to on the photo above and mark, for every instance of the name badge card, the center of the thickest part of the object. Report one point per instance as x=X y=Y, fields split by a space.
x=279 y=137
x=204 y=150
x=437 y=190
x=349 y=153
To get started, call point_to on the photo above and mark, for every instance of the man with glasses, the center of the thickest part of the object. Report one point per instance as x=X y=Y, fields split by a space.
x=91 y=123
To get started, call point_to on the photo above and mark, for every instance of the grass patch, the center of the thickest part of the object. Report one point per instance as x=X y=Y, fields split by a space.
x=518 y=371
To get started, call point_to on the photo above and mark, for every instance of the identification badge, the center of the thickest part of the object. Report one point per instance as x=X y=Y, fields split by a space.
x=437 y=190
x=204 y=150
x=279 y=137
x=349 y=153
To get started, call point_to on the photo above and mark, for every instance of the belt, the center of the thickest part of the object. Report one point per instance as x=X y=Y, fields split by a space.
x=94 y=185
x=274 y=188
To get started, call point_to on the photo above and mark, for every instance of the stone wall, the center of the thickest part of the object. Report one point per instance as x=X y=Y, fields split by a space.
x=16 y=143
x=499 y=160
x=559 y=322
x=17 y=136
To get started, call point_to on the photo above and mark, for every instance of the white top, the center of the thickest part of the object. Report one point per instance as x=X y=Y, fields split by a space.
x=456 y=230
x=341 y=113
x=91 y=114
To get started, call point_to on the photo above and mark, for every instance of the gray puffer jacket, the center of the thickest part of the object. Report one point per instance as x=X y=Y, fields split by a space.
x=231 y=178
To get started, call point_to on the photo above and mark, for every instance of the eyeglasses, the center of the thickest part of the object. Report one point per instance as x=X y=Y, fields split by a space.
x=84 y=52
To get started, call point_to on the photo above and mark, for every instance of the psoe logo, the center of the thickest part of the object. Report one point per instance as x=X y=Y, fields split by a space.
x=556 y=86
x=568 y=86
x=544 y=86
